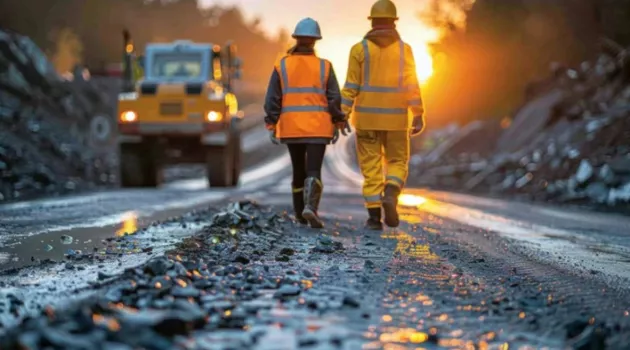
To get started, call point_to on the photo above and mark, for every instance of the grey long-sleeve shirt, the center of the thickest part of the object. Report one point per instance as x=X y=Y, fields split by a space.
x=273 y=99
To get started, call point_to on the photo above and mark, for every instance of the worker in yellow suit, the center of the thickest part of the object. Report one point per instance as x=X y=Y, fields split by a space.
x=382 y=95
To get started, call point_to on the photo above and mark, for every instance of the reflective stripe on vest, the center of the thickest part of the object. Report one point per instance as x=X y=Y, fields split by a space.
x=299 y=90
x=304 y=111
x=366 y=87
x=366 y=71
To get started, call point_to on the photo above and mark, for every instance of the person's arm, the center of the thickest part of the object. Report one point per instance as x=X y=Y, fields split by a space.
x=414 y=95
x=353 y=79
x=333 y=95
x=273 y=100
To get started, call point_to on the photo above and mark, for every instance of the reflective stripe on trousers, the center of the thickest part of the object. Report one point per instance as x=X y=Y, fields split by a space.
x=374 y=201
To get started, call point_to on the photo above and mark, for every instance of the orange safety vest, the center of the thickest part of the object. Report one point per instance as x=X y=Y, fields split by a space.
x=304 y=104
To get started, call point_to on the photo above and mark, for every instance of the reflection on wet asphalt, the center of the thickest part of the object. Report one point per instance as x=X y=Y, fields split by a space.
x=429 y=302
x=129 y=224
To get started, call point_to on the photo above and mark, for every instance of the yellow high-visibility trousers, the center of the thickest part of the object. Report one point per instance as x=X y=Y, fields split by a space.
x=384 y=159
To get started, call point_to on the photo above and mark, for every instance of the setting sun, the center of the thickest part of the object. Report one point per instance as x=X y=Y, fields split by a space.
x=424 y=62
x=419 y=36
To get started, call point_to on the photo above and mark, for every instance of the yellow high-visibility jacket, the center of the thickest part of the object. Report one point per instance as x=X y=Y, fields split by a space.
x=382 y=90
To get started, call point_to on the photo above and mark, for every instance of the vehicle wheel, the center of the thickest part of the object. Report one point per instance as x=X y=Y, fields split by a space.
x=138 y=167
x=219 y=166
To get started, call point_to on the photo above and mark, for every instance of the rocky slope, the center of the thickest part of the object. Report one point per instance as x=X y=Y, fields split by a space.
x=55 y=135
x=570 y=142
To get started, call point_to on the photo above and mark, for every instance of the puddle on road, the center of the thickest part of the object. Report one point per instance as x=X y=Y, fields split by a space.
x=56 y=245
x=89 y=217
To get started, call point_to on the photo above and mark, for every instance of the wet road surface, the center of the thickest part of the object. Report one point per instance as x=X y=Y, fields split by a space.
x=461 y=272
x=35 y=229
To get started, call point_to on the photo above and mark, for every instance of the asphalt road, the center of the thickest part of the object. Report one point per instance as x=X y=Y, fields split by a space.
x=472 y=270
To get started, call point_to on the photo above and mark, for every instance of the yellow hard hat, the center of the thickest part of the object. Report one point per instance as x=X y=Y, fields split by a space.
x=383 y=9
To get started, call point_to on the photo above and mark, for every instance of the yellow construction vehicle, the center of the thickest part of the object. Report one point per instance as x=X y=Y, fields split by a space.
x=178 y=106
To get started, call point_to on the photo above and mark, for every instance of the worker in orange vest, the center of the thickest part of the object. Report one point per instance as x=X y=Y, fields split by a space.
x=383 y=96
x=303 y=111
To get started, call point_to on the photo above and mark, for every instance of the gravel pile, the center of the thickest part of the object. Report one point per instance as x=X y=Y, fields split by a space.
x=220 y=289
x=569 y=143
x=55 y=135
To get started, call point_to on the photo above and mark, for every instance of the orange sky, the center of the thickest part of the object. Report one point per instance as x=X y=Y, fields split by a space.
x=343 y=24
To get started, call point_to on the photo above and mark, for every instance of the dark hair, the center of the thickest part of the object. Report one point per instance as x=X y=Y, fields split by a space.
x=301 y=48
x=303 y=44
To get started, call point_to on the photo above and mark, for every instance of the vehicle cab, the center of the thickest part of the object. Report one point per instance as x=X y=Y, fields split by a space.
x=182 y=110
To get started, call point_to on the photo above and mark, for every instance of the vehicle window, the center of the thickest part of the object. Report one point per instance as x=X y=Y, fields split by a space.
x=177 y=65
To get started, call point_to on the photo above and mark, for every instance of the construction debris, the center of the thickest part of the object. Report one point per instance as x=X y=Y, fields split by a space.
x=215 y=290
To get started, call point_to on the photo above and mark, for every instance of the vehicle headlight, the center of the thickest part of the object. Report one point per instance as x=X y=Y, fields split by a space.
x=128 y=116
x=214 y=116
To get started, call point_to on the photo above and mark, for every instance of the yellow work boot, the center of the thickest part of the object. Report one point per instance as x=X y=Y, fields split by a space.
x=390 y=204
x=374 y=219
x=312 y=195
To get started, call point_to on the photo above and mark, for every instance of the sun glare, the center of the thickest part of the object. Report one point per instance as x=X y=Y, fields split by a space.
x=411 y=200
x=419 y=36
x=424 y=61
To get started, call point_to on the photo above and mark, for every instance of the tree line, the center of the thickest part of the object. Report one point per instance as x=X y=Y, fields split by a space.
x=91 y=31
x=492 y=49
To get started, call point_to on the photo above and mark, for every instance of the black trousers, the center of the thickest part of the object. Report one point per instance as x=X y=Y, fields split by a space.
x=307 y=160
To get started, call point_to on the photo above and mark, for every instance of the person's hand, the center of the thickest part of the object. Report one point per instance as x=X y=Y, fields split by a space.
x=273 y=138
x=417 y=125
x=335 y=136
x=344 y=127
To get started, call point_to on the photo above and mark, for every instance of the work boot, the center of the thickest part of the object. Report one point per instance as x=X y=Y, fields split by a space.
x=374 y=220
x=298 y=206
x=390 y=202
x=312 y=194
